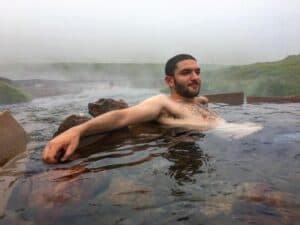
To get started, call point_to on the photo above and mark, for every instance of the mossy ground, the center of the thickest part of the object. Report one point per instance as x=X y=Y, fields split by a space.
x=278 y=78
x=10 y=94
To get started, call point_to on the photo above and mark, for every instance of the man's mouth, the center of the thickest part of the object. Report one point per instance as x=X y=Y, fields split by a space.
x=194 y=85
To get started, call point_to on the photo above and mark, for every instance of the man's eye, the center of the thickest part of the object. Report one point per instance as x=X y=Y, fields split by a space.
x=188 y=71
x=185 y=72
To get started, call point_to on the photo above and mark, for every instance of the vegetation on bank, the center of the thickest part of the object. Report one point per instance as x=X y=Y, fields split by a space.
x=279 y=78
x=10 y=94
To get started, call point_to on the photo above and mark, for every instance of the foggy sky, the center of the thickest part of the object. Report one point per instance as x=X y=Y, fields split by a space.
x=221 y=32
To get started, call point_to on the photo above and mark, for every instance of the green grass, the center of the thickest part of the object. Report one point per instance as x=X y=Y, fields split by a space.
x=278 y=78
x=10 y=94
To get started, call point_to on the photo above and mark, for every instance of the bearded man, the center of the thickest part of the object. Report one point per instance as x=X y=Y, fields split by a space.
x=182 y=108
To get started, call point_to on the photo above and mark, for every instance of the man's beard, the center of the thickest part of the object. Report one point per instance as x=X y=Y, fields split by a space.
x=184 y=91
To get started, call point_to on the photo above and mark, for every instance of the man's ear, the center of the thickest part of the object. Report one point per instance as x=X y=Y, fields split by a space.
x=169 y=80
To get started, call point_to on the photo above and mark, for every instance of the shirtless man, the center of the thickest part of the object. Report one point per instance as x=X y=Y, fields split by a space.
x=183 y=108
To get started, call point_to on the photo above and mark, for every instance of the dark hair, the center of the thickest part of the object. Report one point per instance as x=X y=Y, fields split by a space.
x=172 y=62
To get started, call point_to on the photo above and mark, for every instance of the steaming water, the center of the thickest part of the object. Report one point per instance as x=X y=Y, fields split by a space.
x=239 y=174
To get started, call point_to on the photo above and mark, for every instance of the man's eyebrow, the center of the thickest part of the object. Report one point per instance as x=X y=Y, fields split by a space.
x=190 y=69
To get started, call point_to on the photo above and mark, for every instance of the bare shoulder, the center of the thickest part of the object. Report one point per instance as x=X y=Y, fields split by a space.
x=147 y=110
x=152 y=104
x=157 y=99
x=163 y=103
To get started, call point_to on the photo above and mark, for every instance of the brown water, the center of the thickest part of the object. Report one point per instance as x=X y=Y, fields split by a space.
x=160 y=177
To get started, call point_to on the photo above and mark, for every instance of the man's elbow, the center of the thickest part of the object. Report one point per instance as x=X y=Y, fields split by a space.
x=121 y=118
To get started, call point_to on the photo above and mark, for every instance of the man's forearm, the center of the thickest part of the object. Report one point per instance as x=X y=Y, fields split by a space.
x=103 y=123
x=146 y=111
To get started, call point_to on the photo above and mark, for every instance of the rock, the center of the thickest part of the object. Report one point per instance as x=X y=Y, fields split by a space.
x=5 y=193
x=217 y=205
x=235 y=98
x=255 y=192
x=41 y=195
x=284 y=204
x=273 y=99
x=93 y=141
x=13 y=138
x=69 y=122
x=104 y=105
x=124 y=192
x=59 y=186
x=99 y=107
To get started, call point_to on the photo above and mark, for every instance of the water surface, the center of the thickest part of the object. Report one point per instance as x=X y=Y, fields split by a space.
x=168 y=176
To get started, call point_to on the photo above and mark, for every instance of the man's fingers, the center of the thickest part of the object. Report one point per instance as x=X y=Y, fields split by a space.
x=46 y=151
x=50 y=151
x=59 y=154
x=70 y=149
x=61 y=148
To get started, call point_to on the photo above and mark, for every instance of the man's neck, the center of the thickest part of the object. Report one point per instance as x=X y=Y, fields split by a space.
x=179 y=98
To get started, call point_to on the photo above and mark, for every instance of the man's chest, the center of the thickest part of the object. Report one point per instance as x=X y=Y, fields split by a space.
x=188 y=110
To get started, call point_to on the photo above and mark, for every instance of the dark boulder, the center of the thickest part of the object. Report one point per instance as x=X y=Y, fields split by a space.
x=104 y=105
x=97 y=108
x=69 y=122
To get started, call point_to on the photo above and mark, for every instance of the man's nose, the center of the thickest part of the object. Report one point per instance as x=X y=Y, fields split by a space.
x=195 y=76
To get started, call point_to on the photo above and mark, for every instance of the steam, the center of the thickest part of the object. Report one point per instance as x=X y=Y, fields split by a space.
x=230 y=32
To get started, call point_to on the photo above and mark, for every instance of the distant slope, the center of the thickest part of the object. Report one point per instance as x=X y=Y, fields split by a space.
x=277 y=78
x=10 y=94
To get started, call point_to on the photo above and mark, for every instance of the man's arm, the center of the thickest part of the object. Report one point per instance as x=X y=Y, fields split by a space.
x=68 y=141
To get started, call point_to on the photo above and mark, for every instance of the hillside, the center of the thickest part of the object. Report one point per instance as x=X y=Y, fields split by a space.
x=10 y=94
x=277 y=78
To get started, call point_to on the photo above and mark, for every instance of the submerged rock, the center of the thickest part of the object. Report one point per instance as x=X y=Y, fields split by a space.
x=13 y=138
x=256 y=192
x=124 y=192
x=43 y=197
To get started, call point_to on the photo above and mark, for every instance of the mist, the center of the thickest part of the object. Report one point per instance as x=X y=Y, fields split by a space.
x=227 y=32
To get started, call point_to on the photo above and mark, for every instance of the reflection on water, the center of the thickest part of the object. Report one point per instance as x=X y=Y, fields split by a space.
x=157 y=175
x=187 y=159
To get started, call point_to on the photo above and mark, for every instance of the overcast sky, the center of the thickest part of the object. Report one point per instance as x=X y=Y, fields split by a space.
x=222 y=32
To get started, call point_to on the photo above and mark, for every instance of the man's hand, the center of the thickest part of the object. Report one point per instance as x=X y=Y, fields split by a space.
x=202 y=100
x=61 y=147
